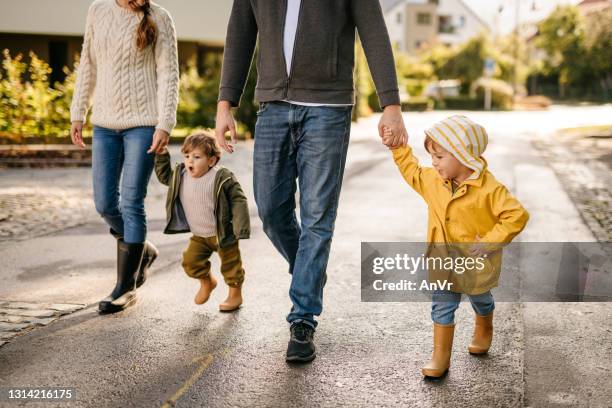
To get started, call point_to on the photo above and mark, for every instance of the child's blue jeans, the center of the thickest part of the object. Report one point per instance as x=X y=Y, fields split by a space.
x=444 y=303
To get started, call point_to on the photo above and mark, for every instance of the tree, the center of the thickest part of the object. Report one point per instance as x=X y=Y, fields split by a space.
x=598 y=40
x=561 y=36
x=467 y=64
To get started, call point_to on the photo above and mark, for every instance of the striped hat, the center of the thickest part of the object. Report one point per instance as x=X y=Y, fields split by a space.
x=464 y=139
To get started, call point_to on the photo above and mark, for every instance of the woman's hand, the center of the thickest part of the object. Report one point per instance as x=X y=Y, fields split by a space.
x=160 y=141
x=76 y=134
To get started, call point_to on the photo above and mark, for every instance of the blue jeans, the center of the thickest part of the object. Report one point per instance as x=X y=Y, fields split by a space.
x=308 y=144
x=116 y=152
x=444 y=303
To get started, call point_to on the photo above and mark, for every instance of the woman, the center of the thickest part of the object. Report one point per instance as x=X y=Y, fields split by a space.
x=129 y=65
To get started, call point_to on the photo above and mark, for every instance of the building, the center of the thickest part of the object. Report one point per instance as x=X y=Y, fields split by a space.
x=412 y=24
x=416 y=24
x=54 y=29
x=457 y=22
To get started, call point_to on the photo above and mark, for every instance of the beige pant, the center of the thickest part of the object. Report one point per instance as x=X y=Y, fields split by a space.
x=196 y=260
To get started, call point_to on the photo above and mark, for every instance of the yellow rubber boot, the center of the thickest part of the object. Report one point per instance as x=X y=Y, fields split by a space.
x=233 y=301
x=443 y=347
x=483 y=335
x=207 y=285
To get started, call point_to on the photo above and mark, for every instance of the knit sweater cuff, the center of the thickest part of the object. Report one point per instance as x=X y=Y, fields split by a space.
x=166 y=126
x=78 y=116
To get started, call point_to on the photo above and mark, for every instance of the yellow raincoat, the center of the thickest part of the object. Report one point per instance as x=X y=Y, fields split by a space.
x=480 y=206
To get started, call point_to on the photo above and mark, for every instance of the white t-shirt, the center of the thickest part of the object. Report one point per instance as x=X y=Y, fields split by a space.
x=291 y=23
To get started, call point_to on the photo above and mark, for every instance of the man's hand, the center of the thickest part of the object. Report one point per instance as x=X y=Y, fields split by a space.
x=76 y=134
x=392 y=119
x=160 y=141
x=224 y=123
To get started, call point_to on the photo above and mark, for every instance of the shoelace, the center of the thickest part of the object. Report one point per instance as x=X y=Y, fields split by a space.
x=300 y=331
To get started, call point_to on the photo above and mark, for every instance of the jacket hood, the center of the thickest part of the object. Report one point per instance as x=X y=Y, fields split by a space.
x=464 y=139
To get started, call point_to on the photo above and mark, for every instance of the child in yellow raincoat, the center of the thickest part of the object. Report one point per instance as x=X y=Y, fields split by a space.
x=466 y=204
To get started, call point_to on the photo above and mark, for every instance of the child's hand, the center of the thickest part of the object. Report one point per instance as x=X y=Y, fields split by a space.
x=387 y=136
x=479 y=249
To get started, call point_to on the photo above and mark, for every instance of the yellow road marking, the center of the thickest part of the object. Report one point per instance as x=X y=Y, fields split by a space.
x=204 y=361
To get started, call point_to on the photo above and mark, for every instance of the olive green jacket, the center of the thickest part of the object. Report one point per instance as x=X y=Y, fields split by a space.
x=231 y=209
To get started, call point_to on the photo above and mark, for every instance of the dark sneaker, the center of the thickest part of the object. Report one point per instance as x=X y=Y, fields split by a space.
x=301 y=348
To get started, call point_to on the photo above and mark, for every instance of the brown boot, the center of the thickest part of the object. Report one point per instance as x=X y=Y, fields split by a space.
x=441 y=356
x=483 y=335
x=207 y=285
x=233 y=301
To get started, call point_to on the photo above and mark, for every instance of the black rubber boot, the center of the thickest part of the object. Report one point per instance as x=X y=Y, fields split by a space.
x=148 y=257
x=129 y=258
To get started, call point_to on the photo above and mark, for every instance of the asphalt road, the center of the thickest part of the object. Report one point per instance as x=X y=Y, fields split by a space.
x=168 y=351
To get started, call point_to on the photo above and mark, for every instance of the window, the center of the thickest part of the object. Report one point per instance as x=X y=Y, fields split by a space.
x=461 y=21
x=424 y=18
x=398 y=18
x=445 y=25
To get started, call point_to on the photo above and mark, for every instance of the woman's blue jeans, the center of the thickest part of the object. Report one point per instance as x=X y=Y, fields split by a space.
x=444 y=303
x=121 y=172
x=307 y=144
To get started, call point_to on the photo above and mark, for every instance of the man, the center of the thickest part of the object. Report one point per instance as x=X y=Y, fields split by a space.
x=305 y=89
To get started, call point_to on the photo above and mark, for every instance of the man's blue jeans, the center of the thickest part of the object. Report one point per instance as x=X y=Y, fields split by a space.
x=122 y=155
x=444 y=303
x=308 y=144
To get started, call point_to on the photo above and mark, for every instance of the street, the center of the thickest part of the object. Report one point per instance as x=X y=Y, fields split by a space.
x=167 y=351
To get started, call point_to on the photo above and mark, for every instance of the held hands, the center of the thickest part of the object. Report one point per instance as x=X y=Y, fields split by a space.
x=224 y=123
x=392 y=125
x=160 y=141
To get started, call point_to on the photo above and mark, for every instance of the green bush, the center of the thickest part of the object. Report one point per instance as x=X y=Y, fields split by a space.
x=199 y=92
x=30 y=106
x=198 y=99
x=415 y=87
x=417 y=105
x=460 y=103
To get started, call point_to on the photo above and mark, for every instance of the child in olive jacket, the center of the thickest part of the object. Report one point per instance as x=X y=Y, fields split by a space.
x=473 y=211
x=208 y=201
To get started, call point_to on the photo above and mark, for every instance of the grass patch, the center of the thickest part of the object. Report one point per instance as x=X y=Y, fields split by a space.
x=587 y=131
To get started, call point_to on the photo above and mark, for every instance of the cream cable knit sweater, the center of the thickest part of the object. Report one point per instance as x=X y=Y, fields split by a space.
x=130 y=87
